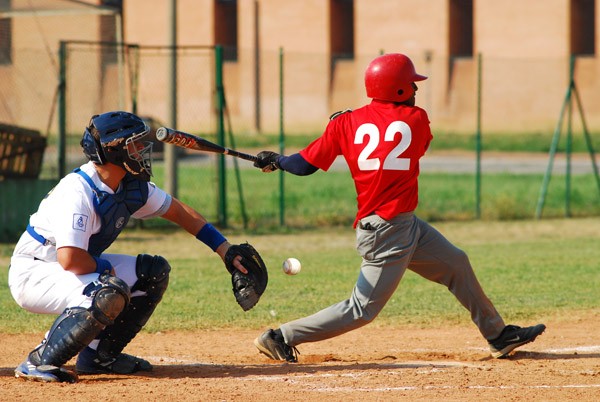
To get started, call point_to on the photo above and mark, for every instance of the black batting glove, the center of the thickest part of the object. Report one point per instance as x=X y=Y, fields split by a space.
x=267 y=161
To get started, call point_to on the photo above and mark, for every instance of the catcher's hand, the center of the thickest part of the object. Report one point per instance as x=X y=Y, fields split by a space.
x=267 y=161
x=247 y=288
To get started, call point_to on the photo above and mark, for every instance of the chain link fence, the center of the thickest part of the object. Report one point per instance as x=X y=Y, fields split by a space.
x=266 y=92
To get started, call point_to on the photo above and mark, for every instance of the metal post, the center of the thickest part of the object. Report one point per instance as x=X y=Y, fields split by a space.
x=133 y=55
x=257 y=111
x=170 y=151
x=478 y=143
x=222 y=182
x=281 y=143
x=588 y=138
x=569 y=145
x=553 y=147
x=62 y=109
x=120 y=48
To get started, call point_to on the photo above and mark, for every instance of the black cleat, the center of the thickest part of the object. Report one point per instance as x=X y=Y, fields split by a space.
x=512 y=337
x=272 y=345
x=88 y=362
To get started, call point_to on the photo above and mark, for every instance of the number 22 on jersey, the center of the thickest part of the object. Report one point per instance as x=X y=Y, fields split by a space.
x=392 y=161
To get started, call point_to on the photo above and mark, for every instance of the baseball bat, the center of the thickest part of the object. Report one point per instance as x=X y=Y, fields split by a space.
x=190 y=141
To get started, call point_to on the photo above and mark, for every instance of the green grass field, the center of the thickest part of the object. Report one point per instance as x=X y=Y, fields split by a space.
x=328 y=198
x=498 y=141
x=532 y=270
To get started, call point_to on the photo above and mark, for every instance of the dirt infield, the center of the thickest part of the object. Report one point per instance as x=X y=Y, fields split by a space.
x=370 y=364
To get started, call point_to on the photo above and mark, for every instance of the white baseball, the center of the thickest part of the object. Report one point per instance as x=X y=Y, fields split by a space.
x=291 y=266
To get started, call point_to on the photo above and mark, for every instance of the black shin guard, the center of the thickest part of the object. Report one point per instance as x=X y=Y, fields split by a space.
x=153 y=278
x=76 y=327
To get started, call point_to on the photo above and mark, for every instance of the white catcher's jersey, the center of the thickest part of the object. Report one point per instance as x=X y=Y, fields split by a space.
x=66 y=216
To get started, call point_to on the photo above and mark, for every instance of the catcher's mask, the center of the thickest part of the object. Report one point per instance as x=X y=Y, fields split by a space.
x=118 y=138
x=390 y=77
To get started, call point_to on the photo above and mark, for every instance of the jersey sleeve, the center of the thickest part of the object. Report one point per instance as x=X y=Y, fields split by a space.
x=70 y=213
x=425 y=129
x=157 y=204
x=323 y=151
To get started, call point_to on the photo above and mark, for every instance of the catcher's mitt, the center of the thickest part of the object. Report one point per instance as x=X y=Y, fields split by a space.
x=247 y=288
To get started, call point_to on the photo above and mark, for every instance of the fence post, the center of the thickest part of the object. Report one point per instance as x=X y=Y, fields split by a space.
x=170 y=152
x=222 y=193
x=478 y=142
x=62 y=107
x=281 y=143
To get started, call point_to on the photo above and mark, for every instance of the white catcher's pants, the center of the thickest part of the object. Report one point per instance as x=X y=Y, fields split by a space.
x=46 y=288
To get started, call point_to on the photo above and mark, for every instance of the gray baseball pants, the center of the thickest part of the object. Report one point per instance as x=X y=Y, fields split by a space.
x=388 y=248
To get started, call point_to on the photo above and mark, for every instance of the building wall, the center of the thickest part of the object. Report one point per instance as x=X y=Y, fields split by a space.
x=524 y=45
x=28 y=85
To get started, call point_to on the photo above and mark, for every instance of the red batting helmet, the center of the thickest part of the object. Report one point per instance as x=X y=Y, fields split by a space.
x=389 y=77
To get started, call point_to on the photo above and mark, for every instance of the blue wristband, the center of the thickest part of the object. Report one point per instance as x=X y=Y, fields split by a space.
x=210 y=236
x=102 y=265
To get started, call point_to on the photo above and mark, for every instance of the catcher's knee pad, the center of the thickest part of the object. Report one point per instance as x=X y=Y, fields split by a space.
x=110 y=298
x=73 y=330
x=153 y=275
x=153 y=279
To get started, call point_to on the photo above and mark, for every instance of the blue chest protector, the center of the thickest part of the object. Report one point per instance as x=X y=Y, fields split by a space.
x=114 y=209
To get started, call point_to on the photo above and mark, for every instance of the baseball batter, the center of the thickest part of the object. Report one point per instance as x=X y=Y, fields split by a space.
x=60 y=266
x=382 y=143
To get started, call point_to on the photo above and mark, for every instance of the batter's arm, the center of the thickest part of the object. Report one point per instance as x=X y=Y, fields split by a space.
x=297 y=165
x=269 y=161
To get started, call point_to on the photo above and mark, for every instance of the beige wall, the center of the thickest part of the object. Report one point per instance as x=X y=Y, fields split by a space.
x=524 y=43
x=28 y=85
x=522 y=29
x=402 y=26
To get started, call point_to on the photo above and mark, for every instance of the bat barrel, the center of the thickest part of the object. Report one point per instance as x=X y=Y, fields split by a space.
x=162 y=133
x=190 y=141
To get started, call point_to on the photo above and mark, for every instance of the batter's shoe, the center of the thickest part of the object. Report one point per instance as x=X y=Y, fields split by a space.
x=44 y=373
x=88 y=362
x=512 y=337
x=272 y=345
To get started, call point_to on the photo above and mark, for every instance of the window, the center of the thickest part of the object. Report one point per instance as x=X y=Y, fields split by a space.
x=341 y=29
x=226 y=28
x=108 y=32
x=461 y=28
x=583 y=29
x=5 y=35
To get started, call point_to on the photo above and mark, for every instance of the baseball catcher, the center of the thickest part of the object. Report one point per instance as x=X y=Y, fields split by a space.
x=247 y=288
x=103 y=300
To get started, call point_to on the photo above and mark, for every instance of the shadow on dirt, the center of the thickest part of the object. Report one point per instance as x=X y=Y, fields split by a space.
x=523 y=355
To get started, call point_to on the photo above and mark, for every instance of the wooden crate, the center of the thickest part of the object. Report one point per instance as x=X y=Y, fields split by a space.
x=21 y=152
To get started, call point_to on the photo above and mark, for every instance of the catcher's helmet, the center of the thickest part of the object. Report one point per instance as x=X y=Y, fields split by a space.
x=390 y=77
x=118 y=138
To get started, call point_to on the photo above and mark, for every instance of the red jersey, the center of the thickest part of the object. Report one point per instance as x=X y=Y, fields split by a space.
x=382 y=143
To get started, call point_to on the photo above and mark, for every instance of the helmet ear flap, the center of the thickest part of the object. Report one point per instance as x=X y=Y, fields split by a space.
x=92 y=147
x=101 y=155
x=112 y=155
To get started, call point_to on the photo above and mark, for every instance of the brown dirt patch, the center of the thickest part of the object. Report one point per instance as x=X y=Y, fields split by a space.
x=370 y=364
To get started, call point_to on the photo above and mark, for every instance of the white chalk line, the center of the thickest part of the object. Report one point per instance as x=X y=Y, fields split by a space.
x=423 y=365
x=576 y=349
x=452 y=387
